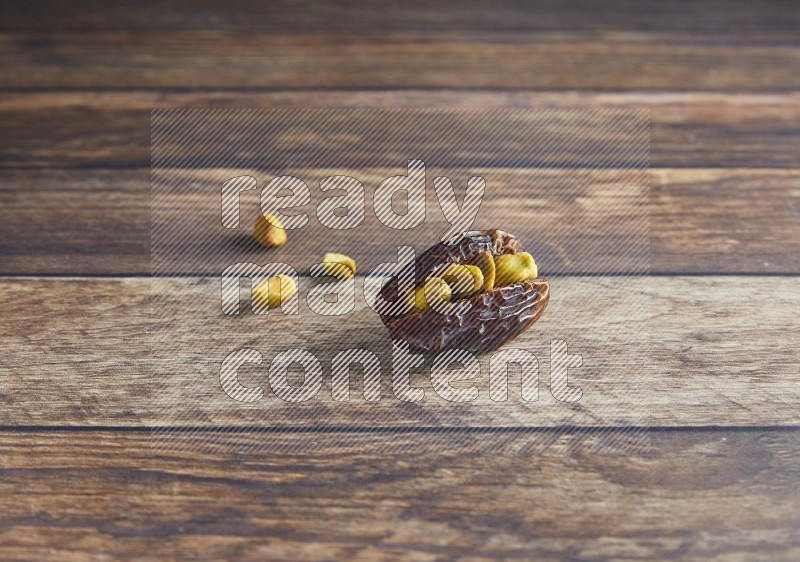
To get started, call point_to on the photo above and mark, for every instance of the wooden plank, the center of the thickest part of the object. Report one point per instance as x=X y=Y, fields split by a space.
x=692 y=495
x=720 y=61
x=672 y=351
x=306 y=16
x=586 y=221
x=378 y=137
x=98 y=221
x=709 y=216
x=112 y=129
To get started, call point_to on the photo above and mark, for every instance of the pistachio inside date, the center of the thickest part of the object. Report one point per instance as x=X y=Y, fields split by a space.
x=491 y=271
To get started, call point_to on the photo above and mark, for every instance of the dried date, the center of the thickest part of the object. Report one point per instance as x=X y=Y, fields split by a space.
x=496 y=313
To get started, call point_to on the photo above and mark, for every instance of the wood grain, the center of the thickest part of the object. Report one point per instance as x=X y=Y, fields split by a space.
x=672 y=351
x=712 y=360
x=545 y=60
x=112 y=129
x=586 y=221
x=98 y=221
x=309 y=16
x=690 y=495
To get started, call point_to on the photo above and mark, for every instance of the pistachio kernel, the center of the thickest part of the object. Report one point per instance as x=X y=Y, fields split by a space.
x=485 y=262
x=433 y=291
x=339 y=265
x=513 y=268
x=269 y=231
x=464 y=280
x=272 y=292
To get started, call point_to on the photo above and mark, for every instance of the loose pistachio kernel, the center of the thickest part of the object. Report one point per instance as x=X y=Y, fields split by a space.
x=485 y=262
x=433 y=291
x=339 y=265
x=513 y=268
x=273 y=291
x=269 y=231
x=464 y=280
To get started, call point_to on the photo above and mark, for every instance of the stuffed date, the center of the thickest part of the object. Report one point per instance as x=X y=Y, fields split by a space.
x=475 y=291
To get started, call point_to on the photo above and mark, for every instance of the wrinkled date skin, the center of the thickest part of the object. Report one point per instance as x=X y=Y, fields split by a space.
x=493 y=319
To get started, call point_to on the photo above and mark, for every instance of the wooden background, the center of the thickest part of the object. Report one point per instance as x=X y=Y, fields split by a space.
x=718 y=477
